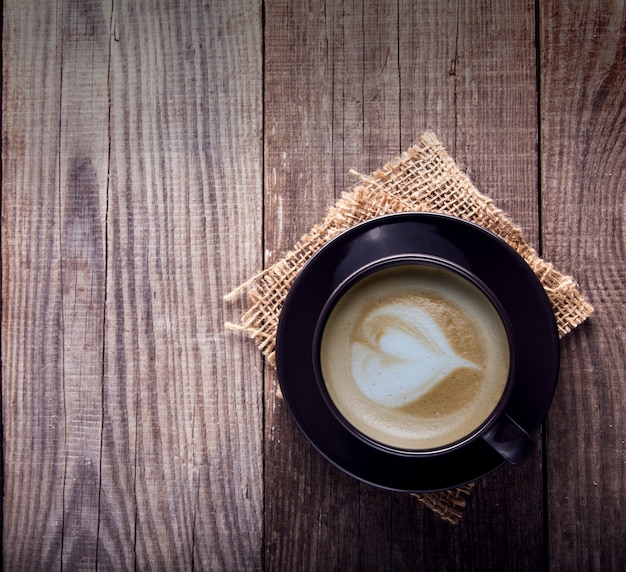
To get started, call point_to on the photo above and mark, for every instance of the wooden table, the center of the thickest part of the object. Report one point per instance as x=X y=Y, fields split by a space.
x=155 y=154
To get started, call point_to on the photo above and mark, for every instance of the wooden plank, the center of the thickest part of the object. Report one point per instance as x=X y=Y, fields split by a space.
x=183 y=399
x=335 y=74
x=83 y=170
x=583 y=172
x=32 y=290
x=131 y=153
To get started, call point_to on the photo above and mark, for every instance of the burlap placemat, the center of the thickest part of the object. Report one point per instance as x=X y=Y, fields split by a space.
x=425 y=178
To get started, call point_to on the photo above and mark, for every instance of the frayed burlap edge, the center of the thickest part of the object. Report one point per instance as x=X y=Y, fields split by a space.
x=425 y=178
x=448 y=505
x=267 y=290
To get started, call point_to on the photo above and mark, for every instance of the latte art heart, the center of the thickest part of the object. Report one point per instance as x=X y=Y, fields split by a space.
x=414 y=356
x=400 y=354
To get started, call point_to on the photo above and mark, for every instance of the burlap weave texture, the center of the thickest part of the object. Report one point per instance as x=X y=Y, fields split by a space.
x=425 y=178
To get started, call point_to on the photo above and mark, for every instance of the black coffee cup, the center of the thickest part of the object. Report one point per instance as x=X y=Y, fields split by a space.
x=415 y=355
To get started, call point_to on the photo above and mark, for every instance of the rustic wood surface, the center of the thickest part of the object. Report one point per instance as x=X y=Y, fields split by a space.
x=157 y=154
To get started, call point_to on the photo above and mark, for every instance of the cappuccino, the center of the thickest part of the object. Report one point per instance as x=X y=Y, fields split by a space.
x=414 y=356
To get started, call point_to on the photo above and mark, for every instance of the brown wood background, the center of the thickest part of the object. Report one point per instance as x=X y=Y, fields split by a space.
x=155 y=154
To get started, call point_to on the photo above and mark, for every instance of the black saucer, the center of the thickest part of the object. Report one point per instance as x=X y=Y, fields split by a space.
x=472 y=247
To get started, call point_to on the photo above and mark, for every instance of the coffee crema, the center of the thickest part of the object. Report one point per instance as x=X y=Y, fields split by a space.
x=414 y=356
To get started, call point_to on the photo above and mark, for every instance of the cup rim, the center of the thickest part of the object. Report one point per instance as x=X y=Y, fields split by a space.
x=404 y=260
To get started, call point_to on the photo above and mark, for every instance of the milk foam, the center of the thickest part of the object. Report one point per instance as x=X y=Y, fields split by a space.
x=414 y=357
x=404 y=346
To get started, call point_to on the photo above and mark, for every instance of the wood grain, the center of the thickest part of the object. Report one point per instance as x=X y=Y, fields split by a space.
x=186 y=160
x=583 y=143
x=156 y=154
x=83 y=187
x=118 y=250
x=34 y=421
